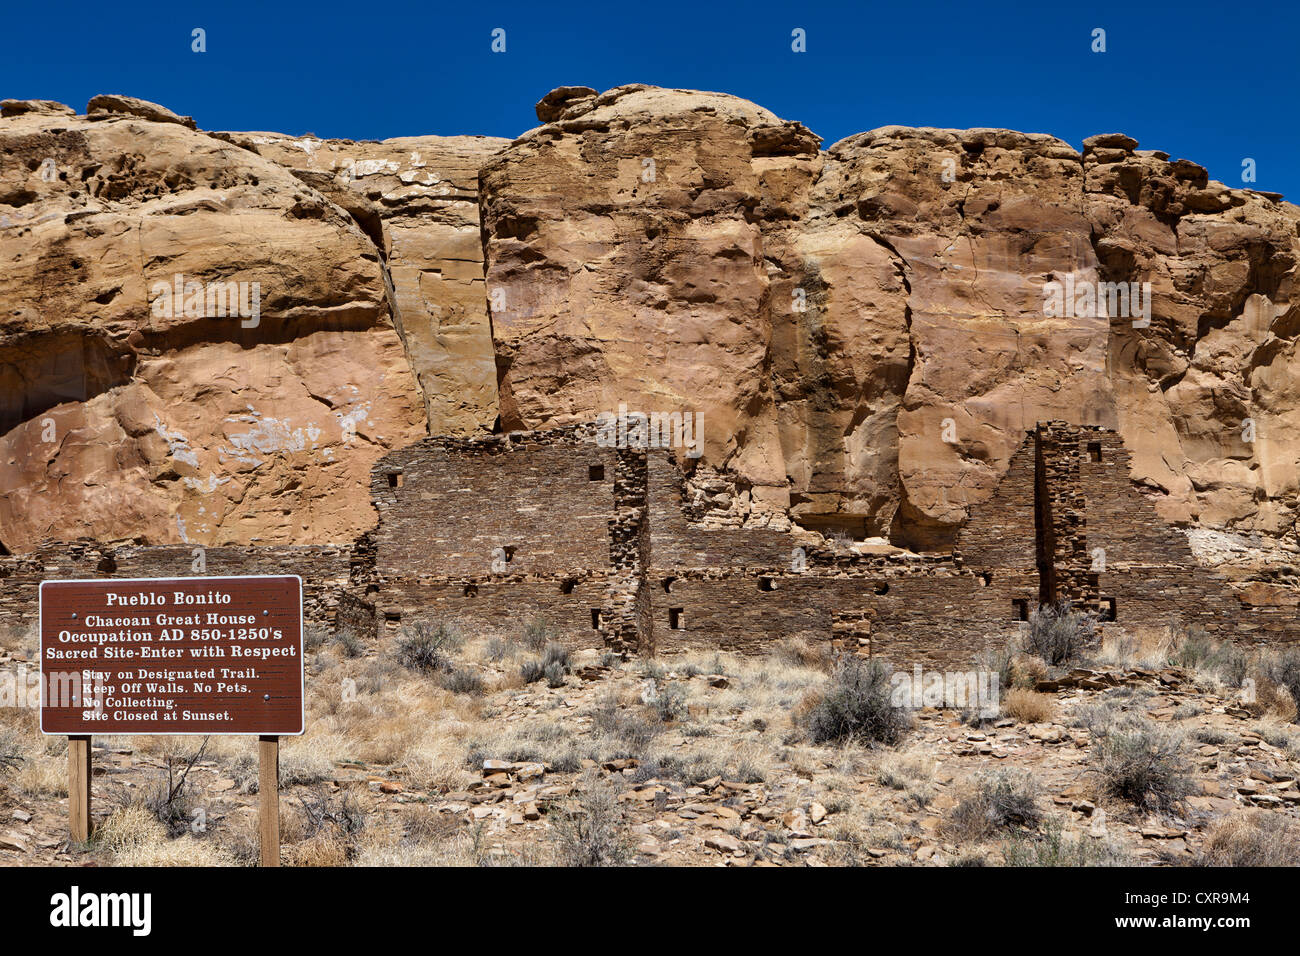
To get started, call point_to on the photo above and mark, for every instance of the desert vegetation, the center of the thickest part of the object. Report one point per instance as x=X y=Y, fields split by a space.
x=429 y=746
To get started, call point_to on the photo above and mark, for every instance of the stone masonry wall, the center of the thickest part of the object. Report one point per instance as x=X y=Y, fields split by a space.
x=602 y=545
x=454 y=507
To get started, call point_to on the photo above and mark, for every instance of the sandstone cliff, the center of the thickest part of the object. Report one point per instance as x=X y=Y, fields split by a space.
x=863 y=327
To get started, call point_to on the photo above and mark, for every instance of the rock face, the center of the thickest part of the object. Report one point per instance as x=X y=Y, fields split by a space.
x=867 y=330
x=417 y=197
x=124 y=418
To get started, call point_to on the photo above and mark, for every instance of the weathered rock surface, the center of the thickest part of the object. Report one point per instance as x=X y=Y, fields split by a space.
x=418 y=198
x=863 y=327
x=119 y=420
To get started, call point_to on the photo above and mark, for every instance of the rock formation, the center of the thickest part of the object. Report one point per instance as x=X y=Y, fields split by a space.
x=123 y=418
x=864 y=328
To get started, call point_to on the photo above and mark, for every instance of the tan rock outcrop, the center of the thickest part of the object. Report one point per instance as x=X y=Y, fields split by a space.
x=656 y=247
x=418 y=198
x=122 y=418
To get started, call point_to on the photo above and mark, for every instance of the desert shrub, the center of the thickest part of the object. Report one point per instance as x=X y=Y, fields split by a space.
x=1051 y=847
x=498 y=649
x=670 y=704
x=314 y=639
x=632 y=729
x=426 y=646
x=998 y=801
x=1211 y=735
x=1000 y=661
x=1192 y=646
x=555 y=664
x=170 y=799
x=693 y=768
x=1258 y=839
x=330 y=829
x=349 y=642
x=532 y=671
x=856 y=705
x=556 y=654
x=651 y=669
x=1195 y=650
x=462 y=680
x=1028 y=706
x=1282 y=668
x=10 y=752
x=552 y=666
x=537 y=634
x=1057 y=632
x=635 y=733
x=1139 y=762
x=591 y=831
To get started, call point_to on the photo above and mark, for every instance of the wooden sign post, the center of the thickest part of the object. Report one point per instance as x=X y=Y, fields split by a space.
x=268 y=794
x=79 y=789
x=173 y=656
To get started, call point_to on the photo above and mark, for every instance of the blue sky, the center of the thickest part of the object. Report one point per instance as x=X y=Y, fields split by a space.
x=1213 y=83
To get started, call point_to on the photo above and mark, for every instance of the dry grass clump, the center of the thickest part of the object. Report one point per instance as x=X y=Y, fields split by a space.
x=1271 y=699
x=323 y=829
x=803 y=653
x=1027 y=706
x=1138 y=761
x=591 y=831
x=542 y=741
x=1255 y=839
x=994 y=802
x=631 y=730
x=133 y=836
x=746 y=762
x=33 y=766
x=304 y=760
x=1053 y=847
x=1026 y=671
x=1277 y=677
x=1142 y=647
x=11 y=754
x=899 y=771
x=21 y=640
x=911 y=775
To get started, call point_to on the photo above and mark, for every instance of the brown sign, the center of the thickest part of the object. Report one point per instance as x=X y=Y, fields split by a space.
x=218 y=655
